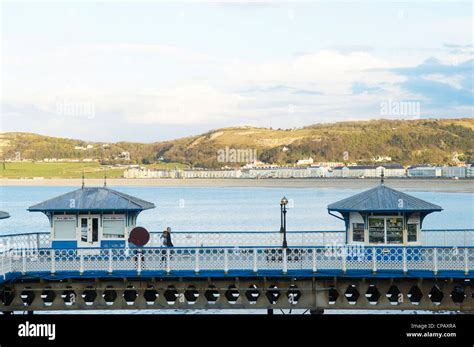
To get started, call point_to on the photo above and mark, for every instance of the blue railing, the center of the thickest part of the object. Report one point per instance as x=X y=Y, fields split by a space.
x=453 y=262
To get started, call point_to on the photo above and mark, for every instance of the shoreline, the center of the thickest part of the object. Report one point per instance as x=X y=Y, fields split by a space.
x=441 y=185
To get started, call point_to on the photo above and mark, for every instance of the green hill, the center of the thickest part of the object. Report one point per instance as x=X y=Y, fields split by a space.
x=405 y=141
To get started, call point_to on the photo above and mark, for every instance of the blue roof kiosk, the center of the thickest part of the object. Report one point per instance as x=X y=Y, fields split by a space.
x=91 y=217
x=383 y=216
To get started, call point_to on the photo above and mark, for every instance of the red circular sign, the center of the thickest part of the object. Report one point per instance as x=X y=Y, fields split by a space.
x=139 y=236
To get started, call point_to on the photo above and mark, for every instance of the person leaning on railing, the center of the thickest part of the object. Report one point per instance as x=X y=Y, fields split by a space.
x=165 y=238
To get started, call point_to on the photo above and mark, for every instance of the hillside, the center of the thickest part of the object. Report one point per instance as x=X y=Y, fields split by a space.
x=406 y=141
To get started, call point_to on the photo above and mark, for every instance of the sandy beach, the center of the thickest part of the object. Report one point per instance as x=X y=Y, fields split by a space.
x=442 y=185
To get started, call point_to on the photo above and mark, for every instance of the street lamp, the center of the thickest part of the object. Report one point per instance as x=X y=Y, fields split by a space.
x=283 y=203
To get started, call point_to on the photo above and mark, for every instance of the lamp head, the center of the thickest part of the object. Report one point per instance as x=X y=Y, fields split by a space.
x=284 y=201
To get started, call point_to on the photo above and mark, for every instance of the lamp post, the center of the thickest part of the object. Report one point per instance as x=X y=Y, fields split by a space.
x=283 y=203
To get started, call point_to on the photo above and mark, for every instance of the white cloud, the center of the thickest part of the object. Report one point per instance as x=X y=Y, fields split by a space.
x=188 y=104
x=145 y=84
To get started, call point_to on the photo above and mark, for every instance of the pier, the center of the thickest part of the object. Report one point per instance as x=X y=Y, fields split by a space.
x=191 y=276
x=95 y=257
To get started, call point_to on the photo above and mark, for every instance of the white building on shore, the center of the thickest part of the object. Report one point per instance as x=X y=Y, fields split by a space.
x=439 y=171
x=363 y=171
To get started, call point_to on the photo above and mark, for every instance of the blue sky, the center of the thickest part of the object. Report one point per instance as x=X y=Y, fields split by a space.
x=155 y=70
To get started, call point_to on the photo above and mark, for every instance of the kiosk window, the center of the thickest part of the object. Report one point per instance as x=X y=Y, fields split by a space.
x=65 y=229
x=114 y=228
x=412 y=232
x=358 y=232
x=376 y=230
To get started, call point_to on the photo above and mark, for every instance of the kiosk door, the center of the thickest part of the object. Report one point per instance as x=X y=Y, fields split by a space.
x=89 y=231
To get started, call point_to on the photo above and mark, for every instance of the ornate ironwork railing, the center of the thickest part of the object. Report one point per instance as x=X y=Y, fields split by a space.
x=226 y=259
x=441 y=237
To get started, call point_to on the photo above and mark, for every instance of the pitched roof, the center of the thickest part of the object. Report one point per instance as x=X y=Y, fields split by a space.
x=4 y=215
x=93 y=199
x=383 y=199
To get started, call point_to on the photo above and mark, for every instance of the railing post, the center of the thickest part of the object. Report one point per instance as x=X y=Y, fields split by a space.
x=226 y=261
x=466 y=261
x=374 y=260
x=110 y=261
x=196 y=269
x=10 y=261
x=23 y=261
x=435 y=261
x=139 y=261
x=168 y=258
x=285 y=265
x=315 y=269
x=38 y=240
x=344 y=265
x=3 y=266
x=53 y=261
x=255 y=269
x=405 y=269
x=81 y=263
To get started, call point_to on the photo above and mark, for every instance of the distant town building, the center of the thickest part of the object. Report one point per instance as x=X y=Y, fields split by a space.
x=424 y=171
x=123 y=156
x=382 y=158
x=311 y=171
x=308 y=161
x=470 y=171
x=83 y=148
x=363 y=171
x=453 y=171
x=329 y=163
x=217 y=173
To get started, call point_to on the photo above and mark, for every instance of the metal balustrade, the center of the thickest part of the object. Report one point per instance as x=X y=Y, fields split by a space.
x=442 y=237
x=253 y=260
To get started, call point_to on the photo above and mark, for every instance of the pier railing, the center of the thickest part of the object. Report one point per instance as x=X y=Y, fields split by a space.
x=438 y=237
x=249 y=260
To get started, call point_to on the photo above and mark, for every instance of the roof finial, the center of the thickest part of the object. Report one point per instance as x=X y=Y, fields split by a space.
x=382 y=176
x=105 y=178
x=82 y=179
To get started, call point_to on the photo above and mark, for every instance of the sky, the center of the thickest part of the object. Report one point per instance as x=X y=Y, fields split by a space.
x=153 y=71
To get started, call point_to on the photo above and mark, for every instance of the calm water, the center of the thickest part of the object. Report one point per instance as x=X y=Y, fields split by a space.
x=233 y=208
